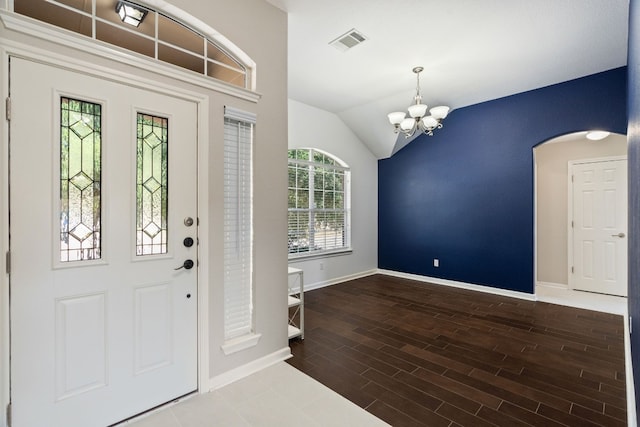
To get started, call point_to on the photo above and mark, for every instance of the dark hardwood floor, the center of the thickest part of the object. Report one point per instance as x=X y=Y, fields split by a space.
x=416 y=354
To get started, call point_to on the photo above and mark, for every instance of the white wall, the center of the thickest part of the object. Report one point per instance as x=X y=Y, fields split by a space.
x=260 y=30
x=552 y=199
x=310 y=127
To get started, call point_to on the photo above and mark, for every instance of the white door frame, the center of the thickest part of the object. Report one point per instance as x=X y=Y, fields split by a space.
x=570 y=229
x=11 y=48
x=4 y=245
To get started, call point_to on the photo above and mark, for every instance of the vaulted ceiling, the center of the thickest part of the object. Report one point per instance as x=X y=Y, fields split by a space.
x=472 y=51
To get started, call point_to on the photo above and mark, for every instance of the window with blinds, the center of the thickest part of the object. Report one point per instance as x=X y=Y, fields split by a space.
x=319 y=214
x=238 y=229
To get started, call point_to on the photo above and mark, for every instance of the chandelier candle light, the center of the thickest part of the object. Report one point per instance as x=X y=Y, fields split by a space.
x=418 y=120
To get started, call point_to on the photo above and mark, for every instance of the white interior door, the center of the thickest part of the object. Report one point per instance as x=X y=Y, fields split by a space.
x=599 y=243
x=103 y=176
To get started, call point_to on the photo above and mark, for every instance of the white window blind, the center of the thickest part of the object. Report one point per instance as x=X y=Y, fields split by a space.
x=238 y=228
x=319 y=214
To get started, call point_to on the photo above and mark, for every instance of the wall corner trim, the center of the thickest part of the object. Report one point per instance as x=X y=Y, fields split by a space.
x=252 y=367
x=632 y=419
x=461 y=285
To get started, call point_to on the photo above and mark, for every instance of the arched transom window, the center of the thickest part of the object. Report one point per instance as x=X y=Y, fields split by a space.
x=143 y=30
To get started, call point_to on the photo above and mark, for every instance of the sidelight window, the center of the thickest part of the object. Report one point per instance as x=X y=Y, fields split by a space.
x=238 y=223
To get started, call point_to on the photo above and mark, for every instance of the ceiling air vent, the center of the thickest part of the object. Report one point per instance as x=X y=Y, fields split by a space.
x=348 y=40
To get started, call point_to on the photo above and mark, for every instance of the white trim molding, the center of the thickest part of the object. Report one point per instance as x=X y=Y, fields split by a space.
x=252 y=367
x=4 y=244
x=632 y=420
x=204 y=245
x=48 y=32
x=241 y=343
x=553 y=285
x=461 y=285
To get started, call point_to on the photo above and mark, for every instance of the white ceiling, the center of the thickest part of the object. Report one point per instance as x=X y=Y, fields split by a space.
x=472 y=51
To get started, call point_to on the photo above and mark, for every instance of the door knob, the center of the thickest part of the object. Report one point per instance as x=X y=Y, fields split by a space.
x=187 y=265
x=621 y=235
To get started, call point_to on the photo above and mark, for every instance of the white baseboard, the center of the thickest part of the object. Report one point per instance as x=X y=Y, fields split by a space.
x=248 y=369
x=461 y=285
x=632 y=420
x=553 y=285
x=318 y=285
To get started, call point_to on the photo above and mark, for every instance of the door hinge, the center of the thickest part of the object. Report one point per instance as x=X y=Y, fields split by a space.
x=630 y=325
x=7 y=108
x=572 y=270
x=9 y=415
x=7 y=262
x=571 y=224
x=571 y=178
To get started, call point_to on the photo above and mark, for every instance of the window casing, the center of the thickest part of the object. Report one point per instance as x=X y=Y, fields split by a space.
x=319 y=208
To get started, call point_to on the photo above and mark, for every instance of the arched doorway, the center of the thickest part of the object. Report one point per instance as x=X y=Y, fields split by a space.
x=551 y=212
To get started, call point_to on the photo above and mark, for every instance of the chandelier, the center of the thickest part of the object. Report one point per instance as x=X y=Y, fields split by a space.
x=418 y=119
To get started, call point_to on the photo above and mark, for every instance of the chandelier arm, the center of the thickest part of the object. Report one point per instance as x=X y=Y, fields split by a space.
x=410 y=132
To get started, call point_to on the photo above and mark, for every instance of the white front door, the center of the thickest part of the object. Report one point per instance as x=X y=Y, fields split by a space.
x=103 y=181
x=599 y=242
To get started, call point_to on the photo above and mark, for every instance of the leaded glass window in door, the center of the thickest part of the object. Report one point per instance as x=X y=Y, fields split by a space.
x=80 y=180
x=151 y=184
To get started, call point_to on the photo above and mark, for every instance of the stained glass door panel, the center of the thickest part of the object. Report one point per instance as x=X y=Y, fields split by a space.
x=151 y=184
x=80 y=179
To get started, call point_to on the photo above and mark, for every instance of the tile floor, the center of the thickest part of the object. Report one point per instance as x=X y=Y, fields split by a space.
x=579 y=299
x=277 y=396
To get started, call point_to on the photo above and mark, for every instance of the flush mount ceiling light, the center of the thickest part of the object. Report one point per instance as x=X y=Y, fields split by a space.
x=597 y=135
x=130 y=13
x=418 y=119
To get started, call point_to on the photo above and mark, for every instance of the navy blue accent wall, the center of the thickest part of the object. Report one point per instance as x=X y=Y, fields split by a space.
x=634 y=188
x=465 y=195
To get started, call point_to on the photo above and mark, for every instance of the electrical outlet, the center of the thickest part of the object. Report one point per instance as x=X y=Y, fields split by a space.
x=436 y=262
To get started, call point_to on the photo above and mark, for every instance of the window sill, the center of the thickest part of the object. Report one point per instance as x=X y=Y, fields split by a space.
x=241 y=343
x=323 y=254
